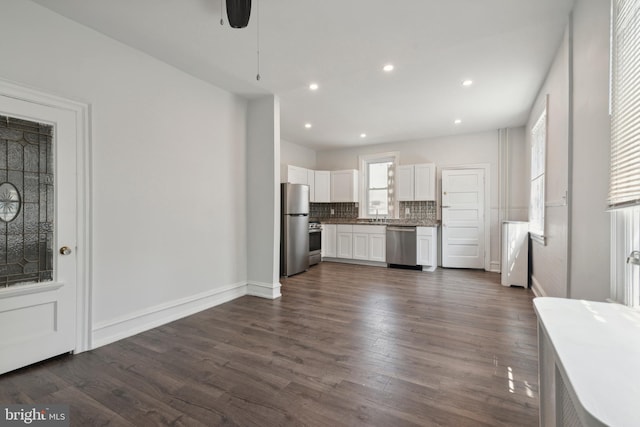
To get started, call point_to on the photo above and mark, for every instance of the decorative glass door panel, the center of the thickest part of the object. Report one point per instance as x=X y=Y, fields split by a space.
x=38 y=139
x=26 y=202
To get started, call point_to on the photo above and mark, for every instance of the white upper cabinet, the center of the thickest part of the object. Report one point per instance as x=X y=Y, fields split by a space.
x=296 y=175
x=311 y=179
x=404 y=178
x=425 y=182
x=322 y=186
x=416 y=182
x=325 y=186
x=344 y=186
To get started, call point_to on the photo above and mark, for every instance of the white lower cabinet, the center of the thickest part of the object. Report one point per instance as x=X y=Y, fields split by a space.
x=329 y=242
x=378 y=247
x=427 y=250
x=344 y=241
x=357 y=242
x=360 y=246
x=369 y=242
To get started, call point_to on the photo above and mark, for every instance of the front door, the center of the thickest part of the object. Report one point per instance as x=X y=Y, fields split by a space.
x=37 y=232
x=463 y=230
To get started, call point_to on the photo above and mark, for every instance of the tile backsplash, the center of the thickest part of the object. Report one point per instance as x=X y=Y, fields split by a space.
x=420 y=211
x=340 y=210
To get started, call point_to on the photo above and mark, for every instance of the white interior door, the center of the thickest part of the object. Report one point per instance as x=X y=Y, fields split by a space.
x=37 y=282
x=463 y=229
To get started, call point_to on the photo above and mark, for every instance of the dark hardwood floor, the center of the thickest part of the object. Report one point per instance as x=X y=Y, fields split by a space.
x=346 y=345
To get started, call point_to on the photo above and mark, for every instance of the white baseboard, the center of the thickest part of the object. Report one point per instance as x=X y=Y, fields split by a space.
x=264 y=290
x=129 y=325
x=494 y=267
x=356 y=261
x=536 y=288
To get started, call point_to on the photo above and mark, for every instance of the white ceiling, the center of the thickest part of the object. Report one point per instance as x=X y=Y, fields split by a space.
x=504 y=46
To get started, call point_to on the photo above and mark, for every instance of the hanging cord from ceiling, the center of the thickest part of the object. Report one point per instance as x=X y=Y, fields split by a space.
x=258 y=39
x=221 y=12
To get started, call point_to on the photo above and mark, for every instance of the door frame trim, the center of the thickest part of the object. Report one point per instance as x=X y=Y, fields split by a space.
x=82 y=111
x=487 y=209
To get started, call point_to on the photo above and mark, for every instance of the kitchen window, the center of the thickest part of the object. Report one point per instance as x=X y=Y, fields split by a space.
x=624 y=181
x=377 y=171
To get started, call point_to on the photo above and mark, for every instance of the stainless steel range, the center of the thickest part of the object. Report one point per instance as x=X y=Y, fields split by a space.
x=315 y=242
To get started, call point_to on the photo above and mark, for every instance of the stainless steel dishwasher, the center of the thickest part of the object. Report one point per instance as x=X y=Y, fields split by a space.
x=401 y=245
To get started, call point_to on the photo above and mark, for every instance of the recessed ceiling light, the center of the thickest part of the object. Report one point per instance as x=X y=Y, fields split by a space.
x=363 y=135
x=457 y=121
x=388 y=68
x=313 y=86
x=467 y=82
x=307 y=125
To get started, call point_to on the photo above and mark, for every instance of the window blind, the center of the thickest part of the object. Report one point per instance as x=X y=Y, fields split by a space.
x=624 y=183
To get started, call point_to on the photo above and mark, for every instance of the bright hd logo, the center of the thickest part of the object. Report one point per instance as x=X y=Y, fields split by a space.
x=34 y=415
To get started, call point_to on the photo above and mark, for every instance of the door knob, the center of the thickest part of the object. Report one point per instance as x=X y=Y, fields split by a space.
x=65 y=250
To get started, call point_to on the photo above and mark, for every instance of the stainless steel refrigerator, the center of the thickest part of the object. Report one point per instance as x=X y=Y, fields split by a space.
x=294 y=229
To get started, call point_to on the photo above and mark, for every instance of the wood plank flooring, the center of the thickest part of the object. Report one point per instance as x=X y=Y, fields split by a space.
x=346 y=345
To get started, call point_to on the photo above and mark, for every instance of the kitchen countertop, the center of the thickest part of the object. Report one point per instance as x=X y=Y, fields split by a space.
x=367 y=221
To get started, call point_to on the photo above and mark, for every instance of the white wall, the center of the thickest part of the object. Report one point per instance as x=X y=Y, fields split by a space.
x=590 y=222
x=263 y=196
x=169 y=169
x=574 y=262
x=297 y=155
x=456 y=150
x=550 y=260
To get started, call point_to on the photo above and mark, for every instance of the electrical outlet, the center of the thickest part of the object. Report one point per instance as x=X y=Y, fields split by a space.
x=332 y=212
x=407 y=211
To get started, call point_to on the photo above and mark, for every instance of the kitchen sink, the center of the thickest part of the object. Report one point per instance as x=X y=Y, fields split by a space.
x=371 y=222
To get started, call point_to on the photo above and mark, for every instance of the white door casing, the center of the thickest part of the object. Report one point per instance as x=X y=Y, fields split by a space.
x=51 y=318
x=463 y=218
